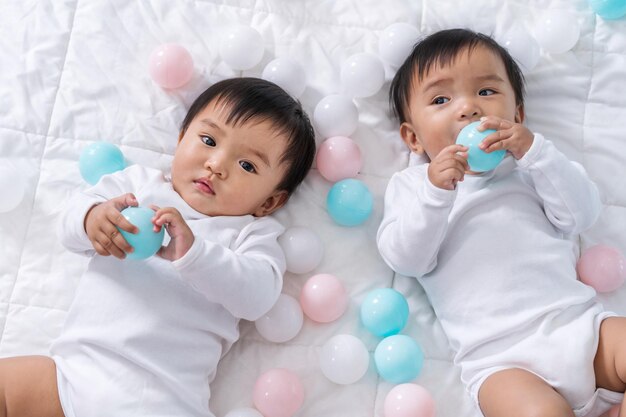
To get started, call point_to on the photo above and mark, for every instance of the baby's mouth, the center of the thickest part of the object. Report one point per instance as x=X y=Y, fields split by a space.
x=204 y=185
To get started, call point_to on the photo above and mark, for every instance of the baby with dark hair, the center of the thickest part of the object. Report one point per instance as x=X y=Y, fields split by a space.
x=144 y=337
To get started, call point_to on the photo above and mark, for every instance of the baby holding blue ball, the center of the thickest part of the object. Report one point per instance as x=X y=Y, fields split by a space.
x=491 y=245
x=143 y=337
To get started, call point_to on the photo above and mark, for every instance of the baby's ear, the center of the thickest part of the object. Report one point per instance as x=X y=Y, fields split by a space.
x=410 y=138
x=273 y=203
x=519 y=114
x=180 y=136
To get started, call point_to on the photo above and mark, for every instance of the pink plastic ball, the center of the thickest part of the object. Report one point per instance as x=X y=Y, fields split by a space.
x=338 y=158
x=278 y=393
x=409 y=400
x=602 y=267
x=171 y=65
x=323 y=298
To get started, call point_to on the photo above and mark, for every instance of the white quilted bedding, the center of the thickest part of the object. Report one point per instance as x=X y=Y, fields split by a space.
x=75 y=71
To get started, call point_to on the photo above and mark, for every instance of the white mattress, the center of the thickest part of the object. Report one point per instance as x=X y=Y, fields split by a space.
x=75 y=71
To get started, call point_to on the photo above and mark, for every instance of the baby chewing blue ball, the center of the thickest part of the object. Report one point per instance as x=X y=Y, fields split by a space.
x=384 y=312
x=398 y=359
x=146 y=242
x=99 y=159
x=478 y=159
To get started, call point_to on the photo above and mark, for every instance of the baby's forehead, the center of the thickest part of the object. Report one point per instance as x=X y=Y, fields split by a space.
x=450 y=58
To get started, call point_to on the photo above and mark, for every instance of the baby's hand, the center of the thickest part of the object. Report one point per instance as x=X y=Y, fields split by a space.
x=510 y=136
x=101 y=223
x=448 y=167
x=181 y=236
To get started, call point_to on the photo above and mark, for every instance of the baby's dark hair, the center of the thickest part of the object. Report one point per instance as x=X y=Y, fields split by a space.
x=442 y=48
x=250 y=98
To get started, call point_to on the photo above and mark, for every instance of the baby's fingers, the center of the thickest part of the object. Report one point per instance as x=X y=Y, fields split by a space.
x=117 y=219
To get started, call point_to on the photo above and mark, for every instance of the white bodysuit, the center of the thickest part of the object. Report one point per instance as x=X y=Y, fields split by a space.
x=144 y=337
x=495 y=260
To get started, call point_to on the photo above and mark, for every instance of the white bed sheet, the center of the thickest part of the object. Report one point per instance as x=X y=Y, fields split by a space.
x=75 y=71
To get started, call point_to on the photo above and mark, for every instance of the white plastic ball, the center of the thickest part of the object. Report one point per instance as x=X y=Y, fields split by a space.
x=362 y=75
x=242 y=47
x=344 y=359
x=13 y=186
x=303 y=249
x=396 y=43
x=336 y=115
x=556 y=31
x=522 y=47
x=283 y=322
x=286 y=73
x=244 y=412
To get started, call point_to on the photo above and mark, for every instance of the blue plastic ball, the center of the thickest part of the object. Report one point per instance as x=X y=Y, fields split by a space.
x=349 y=202
x=609 y=9
x=99 y=159
x=384 y=312
x=478 y=159
x=146 y=242
x=398 y=359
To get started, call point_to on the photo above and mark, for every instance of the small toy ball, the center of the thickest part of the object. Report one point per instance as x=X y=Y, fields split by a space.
x=556 y=31
x=283 y=322
x=303 y=249
x=384 y=312
x=323 y=298
x=243 y=412
x=278 y=393
x=242 y=47
x=602 y=267
x=362 y=75
x=409 y=400
x=478 y=159
x=287 y=74
x=344 y=359
x=349 y=202
x=336 y=115
x=609 y=9
x=396 y=42
x=13 y=186
x=338 y=158
x=398 y=359
x=171 y=65
x=99 y=159
x=146 y=242
x=522 y=46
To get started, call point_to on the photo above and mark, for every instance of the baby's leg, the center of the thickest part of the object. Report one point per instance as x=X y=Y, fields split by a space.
x=519 y=393
x=610 y=361
x=28 y=387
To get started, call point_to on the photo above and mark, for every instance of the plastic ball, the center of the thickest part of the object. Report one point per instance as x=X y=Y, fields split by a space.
x=384 y=312
x=398 y=359
x=338 y=158
x=362 y=75
x=323 y=298
x=602 y=267
x=609 y=9
x=283 y=322
x=146 y=242
x=396 y=43
x=13 y=186
x=278 y=393
x=349 y=202
x=409 y=400
x=336 y=115
x=286 y=73
x=522 y=46
x=98 y=159
x=478 y=159
x=242 y=47
x=303 y=249
x=244 y=412
x=556 y=31
x=171 y=65
x=344 y=359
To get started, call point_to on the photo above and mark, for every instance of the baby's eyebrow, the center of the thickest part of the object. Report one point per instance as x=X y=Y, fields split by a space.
x=436 y=83
x=262 y=156
x=490 y=77
x=210 y=123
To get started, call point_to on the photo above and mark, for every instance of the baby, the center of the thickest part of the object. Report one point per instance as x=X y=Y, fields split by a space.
x=143 y=338
x=492 y=250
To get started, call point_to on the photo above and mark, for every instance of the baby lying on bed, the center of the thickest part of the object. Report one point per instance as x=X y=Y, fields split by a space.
x=491 y=249
x=143 y=338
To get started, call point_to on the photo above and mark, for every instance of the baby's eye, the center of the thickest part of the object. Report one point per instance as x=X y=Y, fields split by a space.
x=208 y=140
x=440 y=100
x=247 y=166
x=486 y=92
